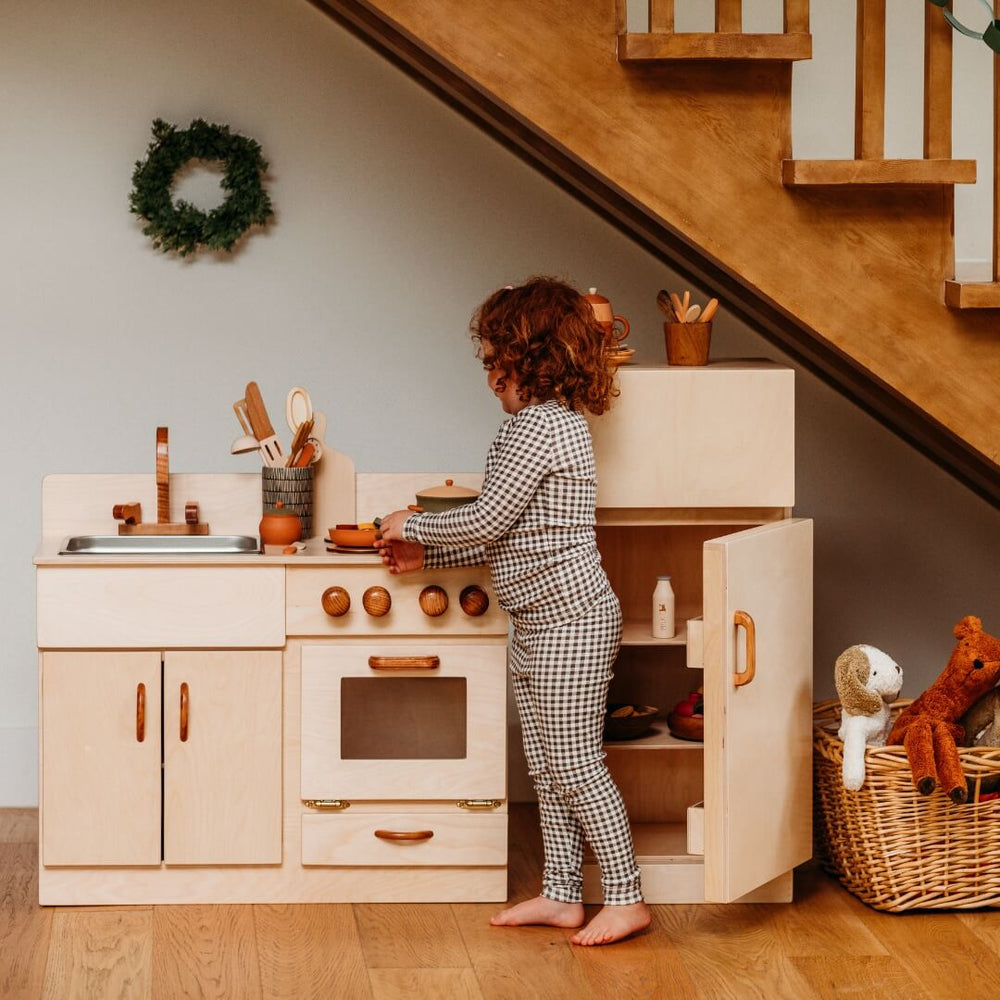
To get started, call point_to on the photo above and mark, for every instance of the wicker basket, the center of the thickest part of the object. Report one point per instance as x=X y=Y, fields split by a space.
x=894 y=848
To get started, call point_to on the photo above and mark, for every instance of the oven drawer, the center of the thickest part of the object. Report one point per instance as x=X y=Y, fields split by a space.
x=404 y=720
x=453 y=839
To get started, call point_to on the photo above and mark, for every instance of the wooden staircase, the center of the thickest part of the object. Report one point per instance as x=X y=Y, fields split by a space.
x=842 y=264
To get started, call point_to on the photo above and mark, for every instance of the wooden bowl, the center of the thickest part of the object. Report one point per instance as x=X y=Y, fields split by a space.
x=686 y=727
x=631 y=726
x=350 y=536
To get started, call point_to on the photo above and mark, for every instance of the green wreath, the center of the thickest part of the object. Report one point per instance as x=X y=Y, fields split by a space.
x=179 y=227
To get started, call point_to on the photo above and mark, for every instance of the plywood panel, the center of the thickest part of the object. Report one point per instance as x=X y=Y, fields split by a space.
x=161 y=606
x=101 y=776
x=222 y=780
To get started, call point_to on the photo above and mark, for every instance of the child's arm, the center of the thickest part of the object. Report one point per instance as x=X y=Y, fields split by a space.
x=517 y=465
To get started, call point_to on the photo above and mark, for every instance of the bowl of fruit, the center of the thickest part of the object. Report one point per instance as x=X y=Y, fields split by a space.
x=687 y=720
x=628 y=722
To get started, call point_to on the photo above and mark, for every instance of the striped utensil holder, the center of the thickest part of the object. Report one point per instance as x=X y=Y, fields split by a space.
x=294 y=488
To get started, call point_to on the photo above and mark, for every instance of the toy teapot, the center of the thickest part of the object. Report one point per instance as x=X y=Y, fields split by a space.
x=279 y=528
x=616 y=327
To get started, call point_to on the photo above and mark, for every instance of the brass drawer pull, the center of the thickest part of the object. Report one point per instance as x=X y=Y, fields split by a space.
x=479 y=803
x=408 y=835
x=184 y=713
x=140 y=713
x=326 y=803
x=404 y=662
x=742 y=618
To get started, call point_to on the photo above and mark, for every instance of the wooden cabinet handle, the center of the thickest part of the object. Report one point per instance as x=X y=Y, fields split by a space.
x=404 y=834
x=140 y=713
x=184 y=713
x=742 y=618
x=404 y=662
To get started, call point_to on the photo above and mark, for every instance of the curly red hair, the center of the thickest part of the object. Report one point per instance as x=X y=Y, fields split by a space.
x=545 y=335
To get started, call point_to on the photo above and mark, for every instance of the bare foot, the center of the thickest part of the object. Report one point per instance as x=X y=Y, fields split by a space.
x=613 y=923
x=540 y=910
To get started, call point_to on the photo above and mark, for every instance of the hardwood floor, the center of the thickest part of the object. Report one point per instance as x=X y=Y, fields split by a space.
x=825 y=944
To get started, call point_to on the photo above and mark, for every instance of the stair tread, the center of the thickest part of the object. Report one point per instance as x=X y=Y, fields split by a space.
x=801 y=173
x=662 y=46
x=972 y=294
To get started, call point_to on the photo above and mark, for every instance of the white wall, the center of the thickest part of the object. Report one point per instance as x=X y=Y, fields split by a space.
x=394 y=218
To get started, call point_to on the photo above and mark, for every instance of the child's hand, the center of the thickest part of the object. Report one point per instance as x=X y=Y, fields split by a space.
x=399 y=556
x=391 y=526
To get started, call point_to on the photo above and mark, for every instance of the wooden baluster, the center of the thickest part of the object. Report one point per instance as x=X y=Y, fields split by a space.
x=729 y=15
x=869 y=99
x=621 y=17
x=937 y=84
x=661 y=16
x=796 y=17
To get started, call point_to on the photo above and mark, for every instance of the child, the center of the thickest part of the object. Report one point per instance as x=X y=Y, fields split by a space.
x=546 y=359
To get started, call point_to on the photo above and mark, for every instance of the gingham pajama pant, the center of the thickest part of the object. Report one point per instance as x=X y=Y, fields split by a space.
x=560 y=676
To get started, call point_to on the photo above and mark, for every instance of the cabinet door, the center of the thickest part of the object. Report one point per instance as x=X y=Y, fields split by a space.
x=758 y=733
x=222 y=757
x=100 y=743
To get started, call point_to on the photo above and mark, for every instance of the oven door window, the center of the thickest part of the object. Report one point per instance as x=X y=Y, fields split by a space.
x=403 y=718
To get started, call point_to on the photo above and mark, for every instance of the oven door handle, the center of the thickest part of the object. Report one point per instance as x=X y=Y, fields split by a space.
x=404 y=662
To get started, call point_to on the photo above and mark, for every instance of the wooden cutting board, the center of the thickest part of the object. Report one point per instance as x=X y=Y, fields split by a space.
x=333 y=492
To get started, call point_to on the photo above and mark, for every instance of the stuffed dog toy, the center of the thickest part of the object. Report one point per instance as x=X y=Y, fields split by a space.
x=867 y=680
x=929 y=727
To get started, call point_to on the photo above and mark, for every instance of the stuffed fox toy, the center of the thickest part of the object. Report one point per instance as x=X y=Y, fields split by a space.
x=929 y=727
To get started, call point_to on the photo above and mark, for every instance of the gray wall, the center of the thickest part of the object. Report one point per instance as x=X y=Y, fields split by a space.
x=394 y=218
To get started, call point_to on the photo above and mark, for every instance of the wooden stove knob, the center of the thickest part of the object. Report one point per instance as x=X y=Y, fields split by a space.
x=336 y=601
x=474 y=600
x=433 y=601
x=376 y=601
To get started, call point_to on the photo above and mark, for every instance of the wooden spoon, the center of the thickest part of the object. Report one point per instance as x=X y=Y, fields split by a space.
x=663 y=301
x=675 y=300
x=710 y=310
x=692 y=314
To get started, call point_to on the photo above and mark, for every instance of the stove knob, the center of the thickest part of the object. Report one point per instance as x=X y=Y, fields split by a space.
x=474 y=600
x=376 y=601
x=433 y=601
x=336 y=601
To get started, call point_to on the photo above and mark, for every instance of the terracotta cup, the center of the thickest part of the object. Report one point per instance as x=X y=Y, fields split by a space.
x=687 y=343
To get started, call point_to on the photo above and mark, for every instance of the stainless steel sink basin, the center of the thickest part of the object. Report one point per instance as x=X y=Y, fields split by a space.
x=164 y=545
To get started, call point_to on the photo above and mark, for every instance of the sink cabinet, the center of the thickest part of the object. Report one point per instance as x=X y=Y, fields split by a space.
x=695 y=470
x=101 y=758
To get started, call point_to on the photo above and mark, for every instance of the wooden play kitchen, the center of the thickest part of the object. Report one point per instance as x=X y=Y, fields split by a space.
x=249 y=728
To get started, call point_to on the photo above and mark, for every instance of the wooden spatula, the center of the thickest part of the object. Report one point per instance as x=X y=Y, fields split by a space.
x=263 y=430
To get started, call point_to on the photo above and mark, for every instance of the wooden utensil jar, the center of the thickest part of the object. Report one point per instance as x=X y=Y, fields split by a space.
x=687 y=343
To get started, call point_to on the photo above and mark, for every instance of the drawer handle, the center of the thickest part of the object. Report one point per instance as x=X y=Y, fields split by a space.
x=408 y=835
x=184 y=713
x=742 y=618
x=404 y=662
x=140 y=713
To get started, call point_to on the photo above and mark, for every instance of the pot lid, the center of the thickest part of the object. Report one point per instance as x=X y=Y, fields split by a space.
x=448 y=490
x=278 y=510
x=595 y=298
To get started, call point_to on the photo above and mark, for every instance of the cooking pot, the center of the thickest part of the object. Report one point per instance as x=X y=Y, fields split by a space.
x=279 y=527
x=354 y=536
x=436 y=499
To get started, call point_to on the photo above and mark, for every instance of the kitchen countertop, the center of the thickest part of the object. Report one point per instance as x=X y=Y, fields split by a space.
x=314 y=554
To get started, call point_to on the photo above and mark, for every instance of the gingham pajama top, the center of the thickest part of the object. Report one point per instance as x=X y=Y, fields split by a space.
x=533 y=522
